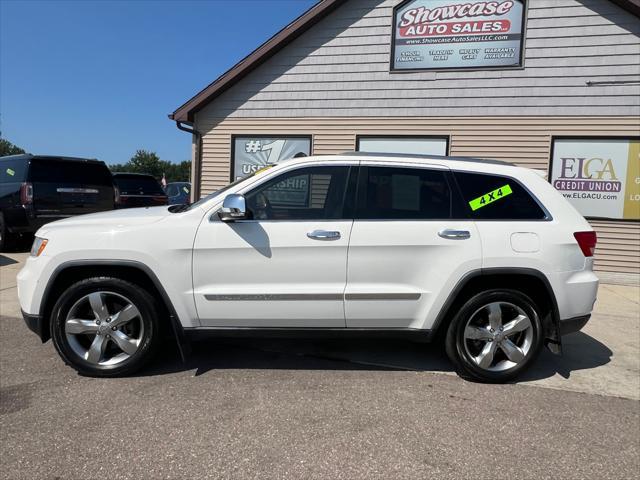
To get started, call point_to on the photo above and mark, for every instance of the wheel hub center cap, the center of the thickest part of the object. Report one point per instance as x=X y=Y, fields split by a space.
x=104 y=329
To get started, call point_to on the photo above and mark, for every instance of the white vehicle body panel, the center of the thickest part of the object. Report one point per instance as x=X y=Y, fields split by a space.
x=270 y=274
x=400 y=272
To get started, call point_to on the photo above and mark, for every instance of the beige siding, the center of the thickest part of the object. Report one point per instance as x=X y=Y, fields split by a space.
x=340 y=67
x=618 y=247
x=525 y=141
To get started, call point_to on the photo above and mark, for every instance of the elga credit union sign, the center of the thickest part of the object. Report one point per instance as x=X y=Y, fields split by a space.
x=441 y=34
x=600 y=177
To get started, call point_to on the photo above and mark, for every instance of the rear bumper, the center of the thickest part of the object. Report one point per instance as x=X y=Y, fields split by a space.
x=36 y=325
x=571 y=325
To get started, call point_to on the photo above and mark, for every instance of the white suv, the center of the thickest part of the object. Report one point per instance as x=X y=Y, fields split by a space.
x=484 y=255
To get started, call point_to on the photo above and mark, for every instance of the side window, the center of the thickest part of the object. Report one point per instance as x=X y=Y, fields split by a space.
x=313 y=193
x=403 y=194
x=491 y=197
x=13 y=170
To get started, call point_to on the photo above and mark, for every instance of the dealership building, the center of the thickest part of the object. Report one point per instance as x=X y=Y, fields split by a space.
x=547 y=84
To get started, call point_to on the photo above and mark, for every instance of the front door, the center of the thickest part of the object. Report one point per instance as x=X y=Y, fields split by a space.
x=406 y=251
x=284 y=267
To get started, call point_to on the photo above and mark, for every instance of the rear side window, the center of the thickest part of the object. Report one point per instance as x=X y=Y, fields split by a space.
x=13 y=170
x=491 y=197
x=138 y=185
x=66 y=172
x=390 y=193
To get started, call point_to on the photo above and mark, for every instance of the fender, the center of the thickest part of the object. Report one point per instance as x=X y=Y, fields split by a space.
x=184 y=347
x=552 y=334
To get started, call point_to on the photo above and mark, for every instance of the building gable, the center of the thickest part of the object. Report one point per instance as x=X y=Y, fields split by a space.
x=579 y=56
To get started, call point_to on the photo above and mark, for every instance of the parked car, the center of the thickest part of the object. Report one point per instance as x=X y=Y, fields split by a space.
x=179 y=193
x=486 y=255
x=138 y=190
x=36 y=189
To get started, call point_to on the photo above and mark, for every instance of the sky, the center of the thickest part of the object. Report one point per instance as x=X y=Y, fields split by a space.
x=96 y=79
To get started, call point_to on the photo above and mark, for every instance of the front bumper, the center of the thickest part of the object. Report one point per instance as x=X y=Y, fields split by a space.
x=36 y=325
x=571 y=325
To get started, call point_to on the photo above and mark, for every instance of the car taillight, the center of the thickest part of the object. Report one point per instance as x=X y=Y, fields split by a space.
x=587 y=242
x=26 y=193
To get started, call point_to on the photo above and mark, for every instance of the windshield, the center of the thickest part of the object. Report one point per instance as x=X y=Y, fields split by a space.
x=212 y=195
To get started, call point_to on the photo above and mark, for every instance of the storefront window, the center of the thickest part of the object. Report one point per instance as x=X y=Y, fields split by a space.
x=251 y=153
x=405 y=144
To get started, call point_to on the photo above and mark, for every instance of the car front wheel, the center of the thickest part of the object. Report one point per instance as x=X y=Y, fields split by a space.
x=105 y=327
x=495 y=336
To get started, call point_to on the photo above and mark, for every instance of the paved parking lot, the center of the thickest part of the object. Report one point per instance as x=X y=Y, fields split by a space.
x=340 y=409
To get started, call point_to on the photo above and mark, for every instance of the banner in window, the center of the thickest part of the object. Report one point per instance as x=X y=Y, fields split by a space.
x=253 y=153
x=444 y=34
x=600 y=177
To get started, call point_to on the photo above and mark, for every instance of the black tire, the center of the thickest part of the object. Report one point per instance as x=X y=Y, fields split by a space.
x=6 y=238
x=149 y=330
x=458 y=347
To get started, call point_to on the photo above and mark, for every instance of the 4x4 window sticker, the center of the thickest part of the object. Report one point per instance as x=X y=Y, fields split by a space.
x=490 y=197
x=465 y=213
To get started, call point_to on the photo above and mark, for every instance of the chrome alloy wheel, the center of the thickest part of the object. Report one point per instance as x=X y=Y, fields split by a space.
x=104 y=328
x=498 y=336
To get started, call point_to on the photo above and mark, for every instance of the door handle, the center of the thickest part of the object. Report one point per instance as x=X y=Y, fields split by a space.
x=454 y=234
x=323 y=235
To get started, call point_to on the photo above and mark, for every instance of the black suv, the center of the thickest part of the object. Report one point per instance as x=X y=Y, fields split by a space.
x=138 y=190
x=36 y=189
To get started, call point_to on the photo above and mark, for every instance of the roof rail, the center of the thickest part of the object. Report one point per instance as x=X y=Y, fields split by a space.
x=426 y=157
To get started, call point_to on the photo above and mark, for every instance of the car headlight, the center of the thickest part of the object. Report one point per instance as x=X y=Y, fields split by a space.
x=38 y=246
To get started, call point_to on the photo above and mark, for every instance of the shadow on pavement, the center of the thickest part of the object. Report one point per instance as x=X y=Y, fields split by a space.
x=4 y=261
x=247 y=354
x=581 y=352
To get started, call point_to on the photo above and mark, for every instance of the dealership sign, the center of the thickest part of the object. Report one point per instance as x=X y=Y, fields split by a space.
x=253 y=153
x=600 y=177
x=441 y=34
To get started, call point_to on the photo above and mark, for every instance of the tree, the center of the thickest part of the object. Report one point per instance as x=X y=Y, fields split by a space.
x=144 y=161
x=8 y=148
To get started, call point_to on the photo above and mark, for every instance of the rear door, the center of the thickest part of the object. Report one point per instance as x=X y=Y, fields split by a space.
x=407 y=250
x=63 y=188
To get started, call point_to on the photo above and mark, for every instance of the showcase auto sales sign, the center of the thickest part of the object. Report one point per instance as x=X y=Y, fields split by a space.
x=441 y=34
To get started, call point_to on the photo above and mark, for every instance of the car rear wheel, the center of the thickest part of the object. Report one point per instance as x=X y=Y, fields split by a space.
x=105 y=327
x=495 y=336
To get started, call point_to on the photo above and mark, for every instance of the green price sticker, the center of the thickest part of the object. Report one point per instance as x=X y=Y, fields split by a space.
x=490 y=197
x=186 y=190
x=11 y=172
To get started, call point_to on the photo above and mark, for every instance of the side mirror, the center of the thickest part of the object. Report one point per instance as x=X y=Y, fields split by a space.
x=233 y=208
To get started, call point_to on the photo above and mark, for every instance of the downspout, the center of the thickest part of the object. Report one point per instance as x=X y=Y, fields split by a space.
x=197 y=161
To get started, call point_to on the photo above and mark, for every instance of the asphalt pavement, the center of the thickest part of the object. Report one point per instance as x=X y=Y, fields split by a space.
x=331 y=409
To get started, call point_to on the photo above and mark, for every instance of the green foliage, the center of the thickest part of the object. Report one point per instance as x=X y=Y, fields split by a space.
x=8 y=148
x=148 y=162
